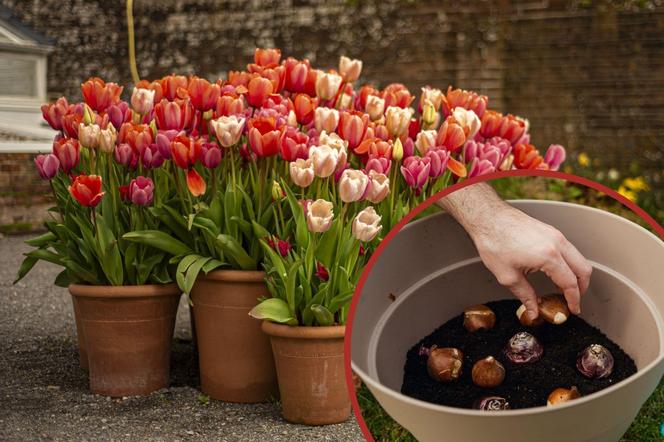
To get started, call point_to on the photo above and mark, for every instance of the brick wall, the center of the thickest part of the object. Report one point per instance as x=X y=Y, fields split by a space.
x=590 y=77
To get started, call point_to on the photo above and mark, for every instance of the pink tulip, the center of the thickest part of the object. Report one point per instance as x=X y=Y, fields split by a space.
x=141 y=191
x=210 y=155
x=379 y=165
x=494 y=149
x=54 y=112
x=353 y=185
x=353 y=127
x=118 y=114
x=151 y=158
x=293 y=144
x=47 y=166
x=415 y=171
x=163 y=140
x=67 y=151
x=555 y=156
x=438 y=159
x=480 y=167
x=124 y=154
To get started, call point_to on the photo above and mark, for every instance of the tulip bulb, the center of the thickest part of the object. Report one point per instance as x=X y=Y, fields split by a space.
x=553 y=309
x=488 y=372
x=523 y=348
x=491 y=403
x=525 y=320
x=595 y=362
x=562 y=395
x=478 y=317
x=445 y=364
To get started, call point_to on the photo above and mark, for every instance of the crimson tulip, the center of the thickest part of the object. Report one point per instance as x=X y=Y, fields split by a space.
x=99 y=95
x=86 y=189
x=124 y=192
x=352 y=127
x=264 y=136
x=258 y=90
x=210 y=154
x=172 y=85
x=54 y=112
x=297 y=73
x=305 y=108
x=67 y=151
x=174 y=115
x=202 y=93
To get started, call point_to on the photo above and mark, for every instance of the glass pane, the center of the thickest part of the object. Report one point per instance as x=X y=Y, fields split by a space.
x=18 y=77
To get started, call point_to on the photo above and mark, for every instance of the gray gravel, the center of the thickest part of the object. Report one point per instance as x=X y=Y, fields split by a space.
x=44 y=393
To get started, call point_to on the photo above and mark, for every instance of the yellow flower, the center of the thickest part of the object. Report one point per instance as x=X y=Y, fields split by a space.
x=637 y=184
x=583 y=159
x=630 y=195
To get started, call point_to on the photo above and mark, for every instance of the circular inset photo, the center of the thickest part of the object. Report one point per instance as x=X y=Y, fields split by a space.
x=524 y=308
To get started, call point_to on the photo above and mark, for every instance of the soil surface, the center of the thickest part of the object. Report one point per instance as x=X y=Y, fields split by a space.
x=44 y=393
x=525 y=385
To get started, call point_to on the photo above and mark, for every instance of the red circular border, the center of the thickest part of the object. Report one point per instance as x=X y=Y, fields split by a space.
x=488 y=177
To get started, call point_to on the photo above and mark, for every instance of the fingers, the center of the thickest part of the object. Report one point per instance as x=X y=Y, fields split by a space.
x=525 y=292
x=578 y=264
x=563 y=276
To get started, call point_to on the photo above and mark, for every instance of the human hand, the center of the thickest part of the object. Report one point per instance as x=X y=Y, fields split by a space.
x=512 y=244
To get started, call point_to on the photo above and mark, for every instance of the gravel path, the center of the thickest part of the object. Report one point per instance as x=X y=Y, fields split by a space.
x=44 y=393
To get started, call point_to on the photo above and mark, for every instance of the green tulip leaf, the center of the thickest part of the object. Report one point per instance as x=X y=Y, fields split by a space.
x=275 y=310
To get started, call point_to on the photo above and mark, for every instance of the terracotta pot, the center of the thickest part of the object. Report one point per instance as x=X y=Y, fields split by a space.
x=310 y=368
x=80 y=337
x=128 y=332
x=234 y=356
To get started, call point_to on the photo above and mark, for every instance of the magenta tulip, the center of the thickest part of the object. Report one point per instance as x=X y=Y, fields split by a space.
x=554 y=157
x=415 y=171
x=47 y=165
x=141 y=191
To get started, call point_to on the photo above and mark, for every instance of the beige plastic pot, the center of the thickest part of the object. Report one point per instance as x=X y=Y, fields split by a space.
x=432 y=268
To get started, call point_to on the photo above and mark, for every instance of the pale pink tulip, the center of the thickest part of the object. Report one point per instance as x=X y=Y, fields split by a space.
x=379 y=188
x=327 y=85
x=337 y=143
x=469 y=120
x=375 y=107
x=325 y=160
x=366 y=225
x=425 y=140
x=319 y=215
x=302 y=172
x=142 y=100
x=397 y=120
x=353 y=185
x=326 y=119
x=228 y=130
x=88 y=135
x=350 y=68
x=107 y=138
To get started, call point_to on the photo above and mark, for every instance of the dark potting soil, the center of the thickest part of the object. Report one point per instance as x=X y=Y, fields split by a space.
x=527 y=385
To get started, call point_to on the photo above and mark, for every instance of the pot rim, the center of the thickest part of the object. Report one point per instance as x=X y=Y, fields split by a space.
x=659 y=360
x=124 y=291
x=302 y=331
x=234 y=275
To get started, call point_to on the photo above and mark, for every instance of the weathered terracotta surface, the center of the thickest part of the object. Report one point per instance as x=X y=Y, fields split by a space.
x=127 y=332
x=310 y=367
x=235 y=358
x=80 y=337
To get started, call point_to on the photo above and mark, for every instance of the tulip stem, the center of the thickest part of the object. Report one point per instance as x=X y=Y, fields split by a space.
x=132 y=46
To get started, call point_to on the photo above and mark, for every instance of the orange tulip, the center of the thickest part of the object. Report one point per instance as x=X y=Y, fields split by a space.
x=171 y=84
x=153 y=86
x=86 y=189
x=451 y=135
x=239 y=78
x=186 y=151
x=396 y=94
x=526 y=156
x=276 y=75
x=267 y=58
x=202 y=93
x=195 y=183
x=138 y=136
x=258 y=90
x=229 y=104
x=353 y=127
x=456 y=167
x=509 y=127
x=99 y=95
x=466 y=99
x=305 y=108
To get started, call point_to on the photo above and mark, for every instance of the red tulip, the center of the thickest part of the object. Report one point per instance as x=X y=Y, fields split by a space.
x=86 y=189
x=202 y=93
x=174 y=115
x=264 y=136
x=293 y=144
x=54 y=112
x=396 y=94
x=321 y=272
x=171 y=84
x=451 y=135
x=258 y=90
x=195 y=183
x=526 y=156
x=267 y=58
x=124 y=192
x=352 y=127
x=305 y=108
x=186 y=151
x=67 y=151
x=99 y=95
x=297 y=73
x=138 y=136
x=70 y=123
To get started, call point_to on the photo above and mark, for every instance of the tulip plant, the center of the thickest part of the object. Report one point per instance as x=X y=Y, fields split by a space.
x=280 y=167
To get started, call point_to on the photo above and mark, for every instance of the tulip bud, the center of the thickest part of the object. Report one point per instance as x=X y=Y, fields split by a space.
x=428 y=113
x=107 y=138
x=397 y=150
x=353 y=185
x=141 y=191
x=327 y=85
x=142 y=100
x=319 y=216
x=47 y=166
x=302 y=172
x=277 y=192
x=88 y=136
x=326 y=119
x=350 y=68
x=325 y=160
x=379 y=187
x=228 y=130
x=88 y=115
x=366 y=225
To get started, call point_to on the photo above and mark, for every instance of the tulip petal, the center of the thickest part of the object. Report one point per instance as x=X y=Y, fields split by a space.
x=195 y=183
x=456 y=167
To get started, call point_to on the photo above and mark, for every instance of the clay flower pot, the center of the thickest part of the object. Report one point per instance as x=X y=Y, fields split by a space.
x=433 y=283
x=310 y=368
x=126 y=332
x=235 y=359
x=80 y=337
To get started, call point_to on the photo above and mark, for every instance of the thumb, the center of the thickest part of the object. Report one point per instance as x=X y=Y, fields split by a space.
x=525 y=292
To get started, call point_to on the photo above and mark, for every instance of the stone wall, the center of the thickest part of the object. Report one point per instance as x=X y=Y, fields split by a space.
x=590 y=77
